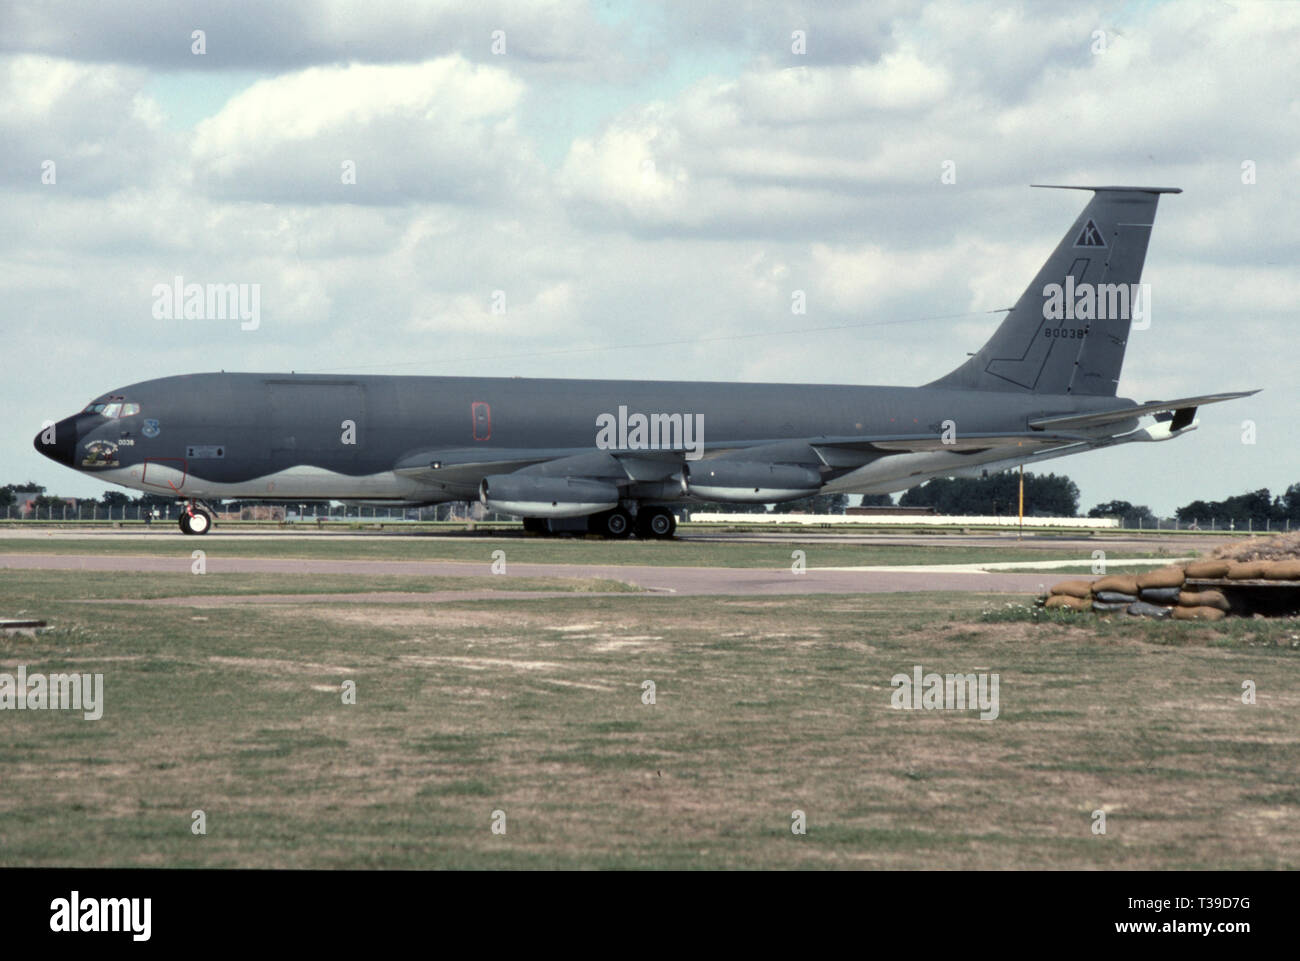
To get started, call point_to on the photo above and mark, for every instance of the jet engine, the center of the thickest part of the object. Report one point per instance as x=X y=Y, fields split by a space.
x=749 y=483
x=536 y=496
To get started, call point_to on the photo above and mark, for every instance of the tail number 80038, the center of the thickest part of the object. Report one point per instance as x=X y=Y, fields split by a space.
x=1066 y=333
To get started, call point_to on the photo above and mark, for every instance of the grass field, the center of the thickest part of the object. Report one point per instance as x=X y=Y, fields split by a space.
x=533 y=707
x=525 y=550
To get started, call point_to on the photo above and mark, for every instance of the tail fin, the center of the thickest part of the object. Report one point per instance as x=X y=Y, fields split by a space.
x=1070 y=339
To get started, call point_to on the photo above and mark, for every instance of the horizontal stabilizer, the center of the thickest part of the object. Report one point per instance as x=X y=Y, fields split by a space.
x=1135 y=190
x=1104 y=417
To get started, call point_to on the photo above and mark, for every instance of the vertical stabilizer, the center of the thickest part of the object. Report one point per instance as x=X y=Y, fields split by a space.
x=1067 y=332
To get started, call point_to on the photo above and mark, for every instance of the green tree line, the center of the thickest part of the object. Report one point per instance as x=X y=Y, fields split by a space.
x=997 y=495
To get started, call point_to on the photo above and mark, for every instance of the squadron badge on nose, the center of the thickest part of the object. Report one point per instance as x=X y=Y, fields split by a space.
x=150 y=428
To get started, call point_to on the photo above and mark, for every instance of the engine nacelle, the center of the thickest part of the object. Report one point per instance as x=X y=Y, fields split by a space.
x=532 y=496
x=749 y=483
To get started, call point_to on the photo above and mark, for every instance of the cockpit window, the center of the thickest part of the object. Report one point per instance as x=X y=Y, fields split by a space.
x=112 y=409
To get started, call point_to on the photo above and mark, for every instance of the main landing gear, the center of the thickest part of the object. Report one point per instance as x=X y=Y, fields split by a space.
x=195 y=520
x=651 y=523
x=615 y=524
x=657 y=523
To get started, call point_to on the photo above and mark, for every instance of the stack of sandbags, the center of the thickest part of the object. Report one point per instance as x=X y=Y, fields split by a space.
x=1114 y=593
x=1284 y=571
x=1165 y=587
x=1163 y=592
x=1207 y=570
x=1151 y=594
x=1263 y=571
x=1157 y=593
x=1244 y=570
x=1073 y=595
x=1200 y=606
x=1164 y=579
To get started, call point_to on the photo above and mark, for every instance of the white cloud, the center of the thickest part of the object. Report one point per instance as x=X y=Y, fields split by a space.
x=803 y=94
x=440 y=130
x=552 y=37
x=92 y=122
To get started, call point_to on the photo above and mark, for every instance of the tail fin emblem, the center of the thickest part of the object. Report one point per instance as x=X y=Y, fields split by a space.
x=1090 y=236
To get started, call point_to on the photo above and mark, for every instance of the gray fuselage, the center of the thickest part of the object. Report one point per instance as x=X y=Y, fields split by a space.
x=429 y=439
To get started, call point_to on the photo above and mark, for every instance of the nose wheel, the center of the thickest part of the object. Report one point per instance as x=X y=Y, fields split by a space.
x=195 y=520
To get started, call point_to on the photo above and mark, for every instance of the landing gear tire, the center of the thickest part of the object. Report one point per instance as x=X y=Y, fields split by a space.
x=615 y=524
x=655 y=523
x=535 y=525
x=200 y=522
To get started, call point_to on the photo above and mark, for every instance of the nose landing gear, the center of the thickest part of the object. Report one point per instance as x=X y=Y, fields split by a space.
x=195 y=520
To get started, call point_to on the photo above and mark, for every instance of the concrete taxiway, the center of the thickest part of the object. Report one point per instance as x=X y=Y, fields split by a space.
x=1069 y=542
x=667 y=580
x=993 y=576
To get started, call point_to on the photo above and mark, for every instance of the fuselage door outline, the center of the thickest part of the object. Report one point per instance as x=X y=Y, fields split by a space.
x=167 y=463
x=481 y=418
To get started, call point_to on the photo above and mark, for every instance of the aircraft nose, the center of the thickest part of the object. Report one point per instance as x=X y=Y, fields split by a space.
x=58 y=442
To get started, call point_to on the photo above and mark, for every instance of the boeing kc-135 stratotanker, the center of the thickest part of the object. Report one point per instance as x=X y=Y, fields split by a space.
x=621 y=452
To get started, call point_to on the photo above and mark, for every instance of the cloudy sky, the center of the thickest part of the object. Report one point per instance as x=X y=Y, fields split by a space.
x=644 y=186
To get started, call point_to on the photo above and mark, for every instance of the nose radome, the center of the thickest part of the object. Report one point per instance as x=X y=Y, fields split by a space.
x=58 y=442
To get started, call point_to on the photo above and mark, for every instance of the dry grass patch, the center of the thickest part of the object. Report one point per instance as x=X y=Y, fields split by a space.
x=762 y=706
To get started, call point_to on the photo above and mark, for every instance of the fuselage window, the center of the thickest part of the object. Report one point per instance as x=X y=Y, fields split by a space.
x=130 y=410
x=112 y=410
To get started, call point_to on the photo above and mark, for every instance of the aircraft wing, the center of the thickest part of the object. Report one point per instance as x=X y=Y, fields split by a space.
x=770 y=469
x=960 y=443
x=455 y=471
x=455 y=474
x=1183 y=409
x=458 y=472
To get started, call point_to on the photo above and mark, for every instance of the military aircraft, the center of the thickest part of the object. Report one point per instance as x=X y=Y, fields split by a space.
x=621 y=453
